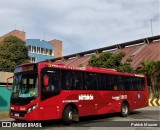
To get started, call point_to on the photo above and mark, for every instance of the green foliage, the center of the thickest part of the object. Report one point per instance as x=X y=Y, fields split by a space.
x=13 y=52
x=152 y=70
x=110 y=60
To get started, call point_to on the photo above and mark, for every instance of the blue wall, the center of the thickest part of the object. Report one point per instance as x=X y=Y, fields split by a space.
x=41 y=44
x=4 y=98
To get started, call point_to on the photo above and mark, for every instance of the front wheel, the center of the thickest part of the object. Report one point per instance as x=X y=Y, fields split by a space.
x=67 y=115
x=124 y=109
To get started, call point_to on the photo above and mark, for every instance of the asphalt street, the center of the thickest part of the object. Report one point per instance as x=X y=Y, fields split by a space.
x=145 y=118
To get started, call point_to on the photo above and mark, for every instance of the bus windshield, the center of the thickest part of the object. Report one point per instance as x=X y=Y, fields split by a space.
x=25 y=85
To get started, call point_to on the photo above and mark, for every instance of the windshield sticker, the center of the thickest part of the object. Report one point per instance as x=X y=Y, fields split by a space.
x=24 y=95
x=120 y=97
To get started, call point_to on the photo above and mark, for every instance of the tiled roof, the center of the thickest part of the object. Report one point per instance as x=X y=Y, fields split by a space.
x=138 y=50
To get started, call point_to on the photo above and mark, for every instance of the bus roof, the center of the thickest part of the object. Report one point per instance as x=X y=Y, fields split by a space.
x=86 y=68
x=90 y=69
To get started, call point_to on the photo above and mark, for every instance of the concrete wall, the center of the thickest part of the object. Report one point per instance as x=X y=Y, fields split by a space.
x=4 y=76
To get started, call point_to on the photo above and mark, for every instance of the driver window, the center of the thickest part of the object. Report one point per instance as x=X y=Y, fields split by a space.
x=50 y=83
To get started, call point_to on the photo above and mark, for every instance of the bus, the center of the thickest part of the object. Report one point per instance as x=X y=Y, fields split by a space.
x=48 y=91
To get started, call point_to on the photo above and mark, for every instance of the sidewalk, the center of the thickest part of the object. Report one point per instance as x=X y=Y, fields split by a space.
x=4 y=114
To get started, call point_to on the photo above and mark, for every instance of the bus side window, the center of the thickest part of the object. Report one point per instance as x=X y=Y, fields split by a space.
x=114 y=83
x=101 y=82
x=108 y=82
x=120 y=82
x=134 y=83
x=77 y=80
x=90 y=81
x=143 y=83
x=128 y=83
x=68 y=80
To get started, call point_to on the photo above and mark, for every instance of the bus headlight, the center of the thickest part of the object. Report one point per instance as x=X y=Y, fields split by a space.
x=32 y=108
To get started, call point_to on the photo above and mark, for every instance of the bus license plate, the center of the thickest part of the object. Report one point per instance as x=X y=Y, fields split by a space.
x=16 y=114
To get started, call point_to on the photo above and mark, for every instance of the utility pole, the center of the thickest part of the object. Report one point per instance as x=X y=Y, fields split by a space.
x=44 y=36
x=151 y=28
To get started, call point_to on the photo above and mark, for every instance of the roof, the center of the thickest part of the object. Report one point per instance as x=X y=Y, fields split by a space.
x=137 y=50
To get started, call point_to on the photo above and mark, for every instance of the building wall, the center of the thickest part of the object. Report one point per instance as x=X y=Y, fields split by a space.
x=4 y=76
x=38 y=48
x=20 y=34
x=58 y=47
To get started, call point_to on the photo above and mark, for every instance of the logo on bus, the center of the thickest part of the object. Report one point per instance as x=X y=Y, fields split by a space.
x=86 y=97
x=120 y=97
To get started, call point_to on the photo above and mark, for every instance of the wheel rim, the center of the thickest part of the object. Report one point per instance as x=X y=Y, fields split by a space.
x=125 y=109
x=70 y=115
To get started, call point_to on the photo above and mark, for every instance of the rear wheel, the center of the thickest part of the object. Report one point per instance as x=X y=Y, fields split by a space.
x=124 y=109
x=67 y=115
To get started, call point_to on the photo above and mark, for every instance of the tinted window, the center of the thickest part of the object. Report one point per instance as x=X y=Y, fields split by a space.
x=102 y=82
x=66 y=79
x=77 y=80
x=50 y=82
x=72 y=80
x=128 y=83
x=90 y=81
x=117 y=82
x=138 y=83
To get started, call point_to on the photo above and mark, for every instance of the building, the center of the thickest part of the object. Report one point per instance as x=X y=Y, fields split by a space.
x=20 y=34
x=39 y=50
x=58 y=47
x=137 y=50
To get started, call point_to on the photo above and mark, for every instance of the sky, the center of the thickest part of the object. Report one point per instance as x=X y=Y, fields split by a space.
x=82 y=24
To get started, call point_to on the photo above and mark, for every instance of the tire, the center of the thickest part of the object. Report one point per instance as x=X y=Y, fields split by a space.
x=67 y=115
x=124 y=109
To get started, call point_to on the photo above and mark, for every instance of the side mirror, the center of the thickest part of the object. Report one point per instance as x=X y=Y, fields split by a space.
x=46 y=80
x=8 y=83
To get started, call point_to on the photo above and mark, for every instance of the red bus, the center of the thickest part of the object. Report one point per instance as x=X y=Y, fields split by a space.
x=46 y=91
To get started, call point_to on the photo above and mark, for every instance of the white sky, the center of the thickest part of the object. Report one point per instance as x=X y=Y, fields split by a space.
x=81 y=24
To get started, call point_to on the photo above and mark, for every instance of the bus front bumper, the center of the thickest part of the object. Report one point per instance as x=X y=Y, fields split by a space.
x=34 y=115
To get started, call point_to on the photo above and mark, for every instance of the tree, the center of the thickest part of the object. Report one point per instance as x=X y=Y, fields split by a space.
x=152 y=71
x=110 y=60
x=13 y=52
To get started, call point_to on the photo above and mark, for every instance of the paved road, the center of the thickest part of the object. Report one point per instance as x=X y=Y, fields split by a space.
x=148 y=116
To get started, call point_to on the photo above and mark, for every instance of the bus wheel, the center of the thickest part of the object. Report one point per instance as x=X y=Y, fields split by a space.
x=67 y=115
x=124 y=109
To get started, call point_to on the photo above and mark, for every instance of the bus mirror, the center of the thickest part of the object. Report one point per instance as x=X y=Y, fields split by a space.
x=8 y=83
x=46 y=80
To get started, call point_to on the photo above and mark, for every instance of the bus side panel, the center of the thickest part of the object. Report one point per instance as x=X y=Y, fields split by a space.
x=109 y=101
x=132 y=99
x=136 y=99
x=49 y=109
